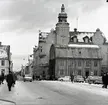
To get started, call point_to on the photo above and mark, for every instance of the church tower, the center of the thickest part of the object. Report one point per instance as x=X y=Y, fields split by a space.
x=62 y=28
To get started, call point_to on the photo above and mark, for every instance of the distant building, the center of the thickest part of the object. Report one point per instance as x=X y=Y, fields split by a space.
x=5 y=59
x=62 y=52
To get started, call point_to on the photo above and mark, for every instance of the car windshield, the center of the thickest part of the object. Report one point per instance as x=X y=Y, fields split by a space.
x=54 y=52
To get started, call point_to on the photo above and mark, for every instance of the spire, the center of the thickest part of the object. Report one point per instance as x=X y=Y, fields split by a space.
x=62 y=8
x=62 y=17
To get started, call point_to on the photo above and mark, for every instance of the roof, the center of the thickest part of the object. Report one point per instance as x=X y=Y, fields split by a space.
x=75 y=51
x=81 y=35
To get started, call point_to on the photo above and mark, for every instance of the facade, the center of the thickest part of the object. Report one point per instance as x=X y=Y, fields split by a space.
x=28 y=68
x=41 y=53
x=75 y=59
x=5 y=59
x=62 y=52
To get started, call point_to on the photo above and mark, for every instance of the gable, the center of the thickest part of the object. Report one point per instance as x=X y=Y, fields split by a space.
x=98 y=38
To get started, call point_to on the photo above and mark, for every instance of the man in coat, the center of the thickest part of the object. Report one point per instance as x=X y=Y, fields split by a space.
x=72 y=78
x=104 y=79
x=2 y=78
x=9 y=80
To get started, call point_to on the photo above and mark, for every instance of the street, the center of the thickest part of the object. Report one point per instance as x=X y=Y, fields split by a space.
x=51 y=92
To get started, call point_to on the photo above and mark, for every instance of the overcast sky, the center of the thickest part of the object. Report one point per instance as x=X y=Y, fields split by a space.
x=20 y=21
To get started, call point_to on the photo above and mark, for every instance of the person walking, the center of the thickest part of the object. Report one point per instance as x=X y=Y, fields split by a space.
x=14 y=79
x=106 y=79
x=72 y=77
x=2 y=78
x=103 y=80
x=9 y=80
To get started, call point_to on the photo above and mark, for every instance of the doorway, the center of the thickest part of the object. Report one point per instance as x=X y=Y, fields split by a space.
x=86 y=74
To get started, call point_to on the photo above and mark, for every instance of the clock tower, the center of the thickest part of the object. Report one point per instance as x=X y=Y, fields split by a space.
x=62 y=28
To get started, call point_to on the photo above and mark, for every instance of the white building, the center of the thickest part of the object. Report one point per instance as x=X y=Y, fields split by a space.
x=5 y=59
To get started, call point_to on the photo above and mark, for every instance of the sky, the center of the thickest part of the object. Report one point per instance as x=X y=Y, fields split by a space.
x=21 y=20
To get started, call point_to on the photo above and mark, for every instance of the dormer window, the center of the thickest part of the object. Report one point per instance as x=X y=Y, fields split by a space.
x=75 y=40
x=86 y=39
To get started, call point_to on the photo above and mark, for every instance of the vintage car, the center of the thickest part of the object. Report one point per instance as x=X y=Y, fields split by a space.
x=98 y=80
x=94 y=79
x=78 y=78
x=65 y=78
x=28 y=78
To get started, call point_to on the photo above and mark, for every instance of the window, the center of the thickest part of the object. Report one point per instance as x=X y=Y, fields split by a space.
x=95 y=72
x=87 y=63
x=95 y=63
x=79 y=72
x=61 y=63
x=71 y=63
x=75 y=39
x=41 y=48
x=79 y=63
x=3 y=62
x=61 y=72
x=79 y=52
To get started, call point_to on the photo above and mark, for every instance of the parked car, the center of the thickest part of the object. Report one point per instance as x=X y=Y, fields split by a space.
x=93 y=79
x=98 y=80
x=28 y=78
x=78 y=78
x=65 y=78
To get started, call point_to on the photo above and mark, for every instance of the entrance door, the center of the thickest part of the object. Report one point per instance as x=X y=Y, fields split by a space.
x=86 y=73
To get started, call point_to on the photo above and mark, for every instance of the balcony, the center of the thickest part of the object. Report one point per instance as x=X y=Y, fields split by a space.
x=44 y=65
x=42 y=40
x=42 y=55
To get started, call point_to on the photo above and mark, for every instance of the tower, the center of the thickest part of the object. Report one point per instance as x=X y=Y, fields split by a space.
x=62 y=28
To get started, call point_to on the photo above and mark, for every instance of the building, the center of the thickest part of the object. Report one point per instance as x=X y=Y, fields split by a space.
x=28 y=68
x=5 y=59
x=62 y=52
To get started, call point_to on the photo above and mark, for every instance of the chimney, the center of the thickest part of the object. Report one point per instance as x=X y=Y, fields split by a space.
x=75 y=29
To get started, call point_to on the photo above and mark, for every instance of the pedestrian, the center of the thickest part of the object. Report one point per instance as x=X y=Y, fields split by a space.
x=72 y=77
x=103 y=80
x=14 y=79
x=2 y=78
x=9 y=80
x=106 y=79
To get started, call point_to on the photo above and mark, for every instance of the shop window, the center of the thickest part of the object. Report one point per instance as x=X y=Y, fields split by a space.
x=95 y=63
x=2 y=62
